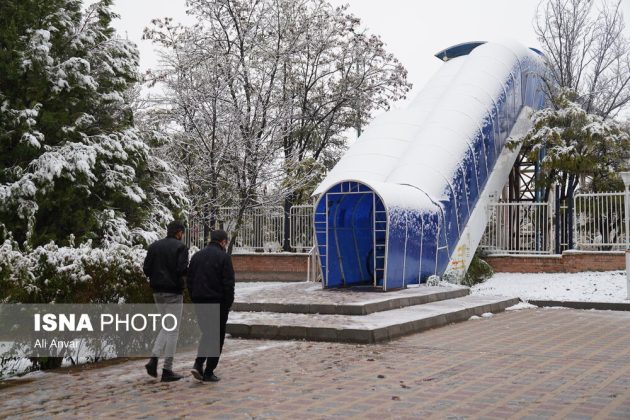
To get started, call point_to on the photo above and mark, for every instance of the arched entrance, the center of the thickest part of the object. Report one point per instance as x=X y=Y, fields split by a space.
x=351 y=231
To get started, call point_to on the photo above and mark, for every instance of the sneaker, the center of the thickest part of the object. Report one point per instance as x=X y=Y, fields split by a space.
x=210 y=377
x=151 y=367
x=197 y=371
x=170 y=376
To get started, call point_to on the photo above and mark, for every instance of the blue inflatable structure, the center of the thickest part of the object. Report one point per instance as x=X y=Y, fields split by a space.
x=408 y=199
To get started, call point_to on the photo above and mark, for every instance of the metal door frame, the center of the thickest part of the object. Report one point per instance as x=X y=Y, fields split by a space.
x=327 y=248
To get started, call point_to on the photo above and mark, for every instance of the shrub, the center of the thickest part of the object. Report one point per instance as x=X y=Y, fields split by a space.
x=71 y=274
x=478 y=271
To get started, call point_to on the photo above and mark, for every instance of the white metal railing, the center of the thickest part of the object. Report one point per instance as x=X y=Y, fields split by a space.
x=194 y=234
x=599 y=221
x=301 y=232
x=513 y=228
x=262 y=228
x=518 y=228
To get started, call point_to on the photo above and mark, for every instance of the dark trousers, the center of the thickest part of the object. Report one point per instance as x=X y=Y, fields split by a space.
x=205 y=327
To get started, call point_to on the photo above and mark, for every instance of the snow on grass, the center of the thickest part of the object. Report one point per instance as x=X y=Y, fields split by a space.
x=608 y=286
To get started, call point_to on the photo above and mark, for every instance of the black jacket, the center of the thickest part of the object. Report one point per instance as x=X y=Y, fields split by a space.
x=166 y=264
x=211 y=276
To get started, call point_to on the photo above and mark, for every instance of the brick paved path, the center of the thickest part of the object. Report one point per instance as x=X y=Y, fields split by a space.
x=541 y=363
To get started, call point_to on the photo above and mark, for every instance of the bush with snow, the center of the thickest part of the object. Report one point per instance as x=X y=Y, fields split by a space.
x=70 y=274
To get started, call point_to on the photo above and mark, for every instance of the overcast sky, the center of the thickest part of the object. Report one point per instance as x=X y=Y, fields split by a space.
x=413 y=30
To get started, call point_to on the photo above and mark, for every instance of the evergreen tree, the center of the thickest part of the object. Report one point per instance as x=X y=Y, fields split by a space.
x=71 y=161
x=577 y=146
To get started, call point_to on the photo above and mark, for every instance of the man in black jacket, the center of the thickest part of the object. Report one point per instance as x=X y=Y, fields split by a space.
x=165 y=265
x=211 y=280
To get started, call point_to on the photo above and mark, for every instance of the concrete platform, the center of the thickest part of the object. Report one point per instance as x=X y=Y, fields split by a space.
x=371 y=328
x=310 y=298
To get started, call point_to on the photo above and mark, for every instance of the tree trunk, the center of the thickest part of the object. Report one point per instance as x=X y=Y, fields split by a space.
x=239 y=223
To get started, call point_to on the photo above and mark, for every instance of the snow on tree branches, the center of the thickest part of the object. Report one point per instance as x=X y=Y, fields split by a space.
x=259 y=94
x=587 y=52
x=71 y=161
x=575 y=146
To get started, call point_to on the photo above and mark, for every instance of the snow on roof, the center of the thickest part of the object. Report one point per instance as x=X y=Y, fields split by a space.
x=386 y=139
x=420 y=148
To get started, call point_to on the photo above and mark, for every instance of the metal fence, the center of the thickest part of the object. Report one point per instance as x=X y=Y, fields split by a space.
x=301 y=232
x=518 y=228
x=194 y=234
x=590 y=222
x=261 y=229
x=600 y=222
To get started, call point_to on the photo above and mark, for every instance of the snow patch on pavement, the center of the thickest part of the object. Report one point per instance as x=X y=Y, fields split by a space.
x=521 y=305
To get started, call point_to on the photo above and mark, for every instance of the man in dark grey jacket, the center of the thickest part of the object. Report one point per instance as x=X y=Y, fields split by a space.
x=166 y=264
x=211 y=280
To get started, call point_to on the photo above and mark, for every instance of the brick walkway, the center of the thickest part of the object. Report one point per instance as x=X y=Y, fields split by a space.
x=544 y=363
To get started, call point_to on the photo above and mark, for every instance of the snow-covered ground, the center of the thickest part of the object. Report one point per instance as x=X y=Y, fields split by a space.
x=608 y=286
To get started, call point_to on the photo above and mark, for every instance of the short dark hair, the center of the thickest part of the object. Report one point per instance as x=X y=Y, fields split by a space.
x=218 y=235
x=174 y=227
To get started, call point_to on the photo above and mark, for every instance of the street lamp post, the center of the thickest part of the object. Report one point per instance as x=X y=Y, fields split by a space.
x=626 y=182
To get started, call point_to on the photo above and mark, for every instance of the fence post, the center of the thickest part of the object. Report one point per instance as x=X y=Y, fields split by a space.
x=557 y=221
x=570 y=218
x=286 y=243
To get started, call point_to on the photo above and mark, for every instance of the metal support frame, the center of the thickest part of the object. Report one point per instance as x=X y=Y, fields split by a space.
x=522 y=180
